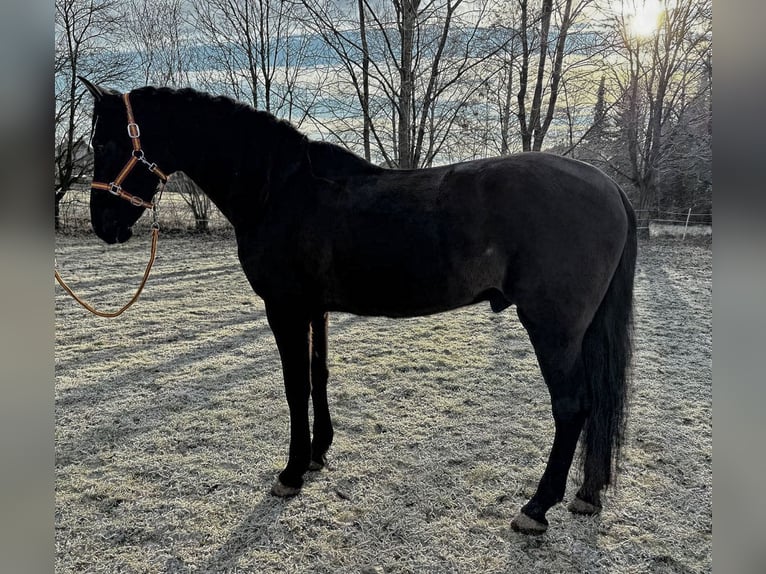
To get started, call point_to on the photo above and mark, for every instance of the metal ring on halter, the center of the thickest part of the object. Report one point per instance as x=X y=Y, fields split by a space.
x=114 y=189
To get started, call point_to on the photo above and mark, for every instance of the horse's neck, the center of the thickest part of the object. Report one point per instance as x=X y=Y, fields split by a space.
x=199 y=149
x=194 y=150
x=221 y=155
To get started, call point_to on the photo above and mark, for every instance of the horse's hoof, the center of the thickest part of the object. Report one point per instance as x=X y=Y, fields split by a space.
x=526 y=525
x=284 y=491
x=315 y=465
x=579 y=506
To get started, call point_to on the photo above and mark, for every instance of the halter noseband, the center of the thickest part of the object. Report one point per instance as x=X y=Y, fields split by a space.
x=115 y=187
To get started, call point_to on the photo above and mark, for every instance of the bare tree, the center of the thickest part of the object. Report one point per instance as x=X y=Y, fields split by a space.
x=503 y=92
x=255 y=51
x=365 y=95
x=347 y=67
x=411 y=65
x=544 y=39
x=195 y=199
x=156 y=30
x=82 y=36
x=665 y=85
x=551 y=52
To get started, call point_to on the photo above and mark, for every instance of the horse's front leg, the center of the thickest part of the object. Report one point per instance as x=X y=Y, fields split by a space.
x=292 y=332
x=323 y=432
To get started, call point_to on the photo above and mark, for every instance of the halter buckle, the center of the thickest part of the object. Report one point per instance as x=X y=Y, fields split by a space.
x=133 y=130
x=137 y=201
x=115 y=189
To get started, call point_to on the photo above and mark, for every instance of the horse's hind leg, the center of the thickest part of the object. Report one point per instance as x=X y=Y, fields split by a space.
x=559 y=357
x=323 y=432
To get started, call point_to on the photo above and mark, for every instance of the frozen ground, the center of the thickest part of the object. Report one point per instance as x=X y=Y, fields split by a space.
x=171 y=424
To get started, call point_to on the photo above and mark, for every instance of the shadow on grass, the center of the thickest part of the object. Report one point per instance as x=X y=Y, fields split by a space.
x=254 y=532
x=154 y=402
x=572 y=544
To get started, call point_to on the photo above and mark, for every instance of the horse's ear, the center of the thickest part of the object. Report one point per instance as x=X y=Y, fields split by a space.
x=95 y=90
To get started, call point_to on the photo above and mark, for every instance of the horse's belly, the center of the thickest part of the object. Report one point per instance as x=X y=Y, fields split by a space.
x=371 y=304
x=411 y=287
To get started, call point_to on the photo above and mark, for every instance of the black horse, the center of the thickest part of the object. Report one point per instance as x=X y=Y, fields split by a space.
x=319 y=229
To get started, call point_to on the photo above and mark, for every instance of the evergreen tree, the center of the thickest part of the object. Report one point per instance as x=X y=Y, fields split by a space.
x=599 y=111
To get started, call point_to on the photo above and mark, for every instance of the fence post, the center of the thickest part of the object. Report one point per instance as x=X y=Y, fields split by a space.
x=688 y=215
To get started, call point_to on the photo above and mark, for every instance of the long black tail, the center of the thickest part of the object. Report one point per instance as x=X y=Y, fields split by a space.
x=607 y=350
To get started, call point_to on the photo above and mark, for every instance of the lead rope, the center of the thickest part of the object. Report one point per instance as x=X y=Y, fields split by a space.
x=107 y=314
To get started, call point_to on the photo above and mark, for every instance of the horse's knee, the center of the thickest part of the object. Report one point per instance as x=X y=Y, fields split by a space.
x=319 y=372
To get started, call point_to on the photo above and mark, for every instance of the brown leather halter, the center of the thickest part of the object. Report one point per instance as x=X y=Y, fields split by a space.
x=115 y=188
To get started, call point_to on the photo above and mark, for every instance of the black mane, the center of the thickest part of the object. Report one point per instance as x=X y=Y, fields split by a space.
x=203 y=102
x=192 y=103
x=326 y=160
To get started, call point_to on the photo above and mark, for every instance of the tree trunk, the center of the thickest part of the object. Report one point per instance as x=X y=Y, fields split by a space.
x=406 y=87
x=555 y=80
x=365 y=83
x=537 y=95
x=505 y=116
x=524 y=128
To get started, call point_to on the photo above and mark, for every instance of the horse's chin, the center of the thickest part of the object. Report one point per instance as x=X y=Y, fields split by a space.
x=124 y=234
x=113 y=235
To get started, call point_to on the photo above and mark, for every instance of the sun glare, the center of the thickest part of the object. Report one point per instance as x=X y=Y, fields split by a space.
x=645 y=18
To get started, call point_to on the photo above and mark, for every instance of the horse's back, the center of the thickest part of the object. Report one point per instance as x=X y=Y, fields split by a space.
x=438 y=238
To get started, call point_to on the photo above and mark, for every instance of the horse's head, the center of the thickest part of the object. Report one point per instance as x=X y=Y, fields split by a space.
x=124 y=181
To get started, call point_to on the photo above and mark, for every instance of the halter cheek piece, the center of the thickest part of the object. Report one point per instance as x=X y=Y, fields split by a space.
x=115 y=187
